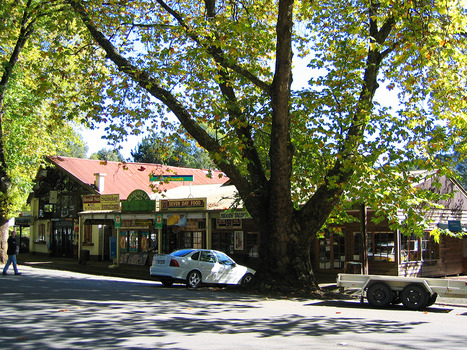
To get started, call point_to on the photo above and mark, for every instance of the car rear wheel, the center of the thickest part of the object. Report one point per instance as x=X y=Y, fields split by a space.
x=194 y=279
x=247 y=279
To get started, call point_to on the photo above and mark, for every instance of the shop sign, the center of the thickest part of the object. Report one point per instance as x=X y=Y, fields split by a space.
x=170 y=178
x=176 y=220
x=235 y=215
x=136 y=223
x=188 y=203
x=228 y=223
x=118 y=221
x=22 y=221
x=138 y=200
x=159 y=221
x=454 y=226
x=101 y=202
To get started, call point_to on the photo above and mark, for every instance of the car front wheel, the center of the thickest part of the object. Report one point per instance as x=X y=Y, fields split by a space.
x=193 y=280
x=247 y=279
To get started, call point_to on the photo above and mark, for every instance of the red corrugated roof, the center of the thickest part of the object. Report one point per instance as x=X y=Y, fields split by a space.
x=124 y=178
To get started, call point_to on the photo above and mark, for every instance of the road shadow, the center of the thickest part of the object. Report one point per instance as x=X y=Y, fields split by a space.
x=352 y=304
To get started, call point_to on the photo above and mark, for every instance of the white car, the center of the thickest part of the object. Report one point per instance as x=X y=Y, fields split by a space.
x=199 y=266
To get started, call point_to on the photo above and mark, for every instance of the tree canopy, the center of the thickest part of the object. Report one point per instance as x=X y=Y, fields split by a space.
x=295 y=156
x=174 y=151
x=44 y=86
x=108 y=154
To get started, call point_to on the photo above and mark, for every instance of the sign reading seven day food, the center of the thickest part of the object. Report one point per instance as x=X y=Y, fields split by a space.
x=188 y=203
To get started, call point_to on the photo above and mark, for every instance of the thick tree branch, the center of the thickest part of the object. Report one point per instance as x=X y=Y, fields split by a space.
x=216 y=53
x=329 y=193
x=144 y=79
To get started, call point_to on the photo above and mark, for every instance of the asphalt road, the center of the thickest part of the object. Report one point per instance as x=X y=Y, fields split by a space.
x=50 y=309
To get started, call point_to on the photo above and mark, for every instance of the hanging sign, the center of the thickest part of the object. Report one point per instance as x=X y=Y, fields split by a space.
x=159 y=221
x=118 y=221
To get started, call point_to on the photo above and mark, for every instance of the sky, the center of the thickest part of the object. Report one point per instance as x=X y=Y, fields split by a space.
x=94 y=141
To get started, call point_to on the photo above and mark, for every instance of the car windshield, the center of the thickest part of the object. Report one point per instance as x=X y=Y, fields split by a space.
x=224 y=259
x=182 y=252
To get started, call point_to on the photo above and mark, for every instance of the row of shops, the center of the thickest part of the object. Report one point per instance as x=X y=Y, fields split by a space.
x=74 y=216
x=132 y=234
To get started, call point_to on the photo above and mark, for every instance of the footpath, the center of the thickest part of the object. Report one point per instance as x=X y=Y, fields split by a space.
x=90 y=267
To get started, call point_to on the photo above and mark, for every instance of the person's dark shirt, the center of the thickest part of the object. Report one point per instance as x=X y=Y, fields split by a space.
x=11 y=246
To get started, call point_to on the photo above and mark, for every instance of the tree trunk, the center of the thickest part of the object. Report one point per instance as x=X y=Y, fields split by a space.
x=4 y=239
x=285 y=254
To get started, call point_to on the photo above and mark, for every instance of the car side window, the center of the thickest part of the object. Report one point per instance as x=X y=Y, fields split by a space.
x=207 y=257
x=195 y=256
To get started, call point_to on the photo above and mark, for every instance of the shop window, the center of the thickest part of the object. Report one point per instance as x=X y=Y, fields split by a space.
x=222 y=241
x=381 y=246
x=197 y=240
x=410 y=248
x=123 y=241
x=87 y=233
x=41 y=234
x=190 y=239
x=331 y=251
x=357 y=246
x=153 y=242
x=134 y=241
x=430 y=249
x=252 y=244
x=414 y=248
x=144 y=241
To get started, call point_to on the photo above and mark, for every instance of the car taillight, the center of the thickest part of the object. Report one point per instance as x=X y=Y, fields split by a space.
x=174 y=263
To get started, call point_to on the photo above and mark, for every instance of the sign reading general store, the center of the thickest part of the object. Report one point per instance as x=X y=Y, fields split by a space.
x=188 y=203
x=235 y=215
x=101 y=202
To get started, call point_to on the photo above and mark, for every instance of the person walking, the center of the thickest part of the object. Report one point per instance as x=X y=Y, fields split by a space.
x=11 y=252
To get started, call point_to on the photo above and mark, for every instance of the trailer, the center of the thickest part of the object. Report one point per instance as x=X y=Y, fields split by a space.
x=416 y=293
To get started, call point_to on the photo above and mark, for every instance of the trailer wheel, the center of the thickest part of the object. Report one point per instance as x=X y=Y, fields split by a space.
x=396 y=299
x=432 y=299
x=379 y=294
x=414 y=297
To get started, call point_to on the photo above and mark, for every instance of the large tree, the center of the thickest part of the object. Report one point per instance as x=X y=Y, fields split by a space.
x=292 y=155
x=40 y=49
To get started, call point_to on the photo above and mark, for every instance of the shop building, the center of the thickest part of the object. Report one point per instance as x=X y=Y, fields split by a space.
x=377 y=249
x=78 y=205
x=89 y=209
